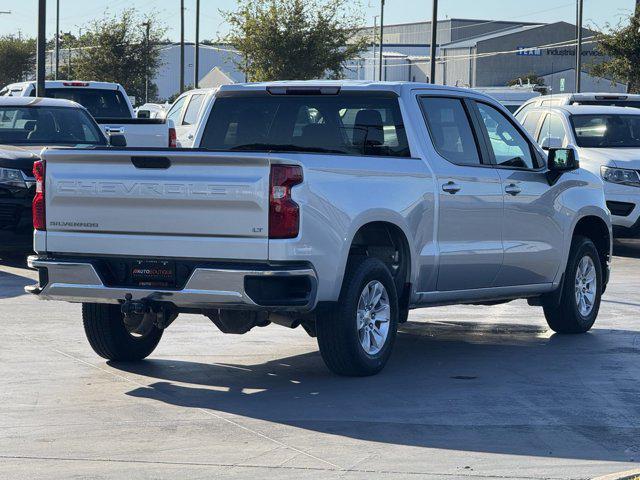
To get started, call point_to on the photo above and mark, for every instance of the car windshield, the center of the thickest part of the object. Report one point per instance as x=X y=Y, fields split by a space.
x=607 y=131
x=48 y=126
x=101 y=103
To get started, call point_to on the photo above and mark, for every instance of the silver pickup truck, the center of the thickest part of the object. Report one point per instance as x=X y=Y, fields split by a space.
x=335 y=206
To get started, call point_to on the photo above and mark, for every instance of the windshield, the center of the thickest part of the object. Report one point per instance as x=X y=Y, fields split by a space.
x=607 y=131
x=346 y=124
x=48 y=126
x=100 y=103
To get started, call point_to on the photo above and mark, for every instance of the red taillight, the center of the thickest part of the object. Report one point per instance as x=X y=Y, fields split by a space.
x=75 y=84
x=39 y=214
x=284 y=213
x=173 y=138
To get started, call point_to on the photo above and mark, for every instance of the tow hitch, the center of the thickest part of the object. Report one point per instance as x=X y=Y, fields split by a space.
x=140 y=316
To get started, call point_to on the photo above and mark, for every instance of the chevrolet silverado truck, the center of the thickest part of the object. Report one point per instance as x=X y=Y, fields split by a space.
x=110 y=105
x=334 y=206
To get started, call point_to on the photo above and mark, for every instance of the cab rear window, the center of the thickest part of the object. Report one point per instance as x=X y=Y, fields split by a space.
x=346 y=124
x=101 y=103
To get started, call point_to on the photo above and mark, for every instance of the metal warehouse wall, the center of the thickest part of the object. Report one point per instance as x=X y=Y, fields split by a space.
x=498 y=70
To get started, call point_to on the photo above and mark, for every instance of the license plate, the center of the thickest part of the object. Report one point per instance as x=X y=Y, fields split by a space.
x=153 y=273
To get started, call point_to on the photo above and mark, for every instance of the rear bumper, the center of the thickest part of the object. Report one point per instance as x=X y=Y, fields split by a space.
x=278 y=288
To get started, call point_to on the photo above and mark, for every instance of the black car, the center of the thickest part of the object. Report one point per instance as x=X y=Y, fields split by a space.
x=27 y=125
x=17 y=188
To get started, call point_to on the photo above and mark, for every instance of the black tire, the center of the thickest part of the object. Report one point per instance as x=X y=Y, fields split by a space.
x=109 y=338
x=337 y=330
x=565 y=316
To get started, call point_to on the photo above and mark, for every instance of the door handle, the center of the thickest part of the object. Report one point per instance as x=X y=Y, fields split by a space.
x=451 y=187
x=190 y=136
x=114 y=130
x=513 y=189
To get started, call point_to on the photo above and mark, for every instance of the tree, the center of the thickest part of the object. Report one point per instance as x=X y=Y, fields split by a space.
x=17 y=59
x=295 y=39
x=115 y=49
x=530 y=78
x=621 y=44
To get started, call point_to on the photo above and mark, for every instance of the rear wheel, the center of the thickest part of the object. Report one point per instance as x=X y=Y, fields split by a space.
x=357 y=336
x=109 y=336
x=581 y=290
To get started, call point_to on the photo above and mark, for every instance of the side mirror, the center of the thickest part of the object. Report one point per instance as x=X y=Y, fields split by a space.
x=551 y=142
x=117 y=140
x=562 y=160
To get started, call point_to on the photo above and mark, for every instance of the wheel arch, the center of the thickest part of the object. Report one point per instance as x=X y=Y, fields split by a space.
x=599 y=232
x=385 y=237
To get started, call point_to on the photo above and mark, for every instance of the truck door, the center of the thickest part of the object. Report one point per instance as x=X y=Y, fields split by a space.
x=470 y=198
x=532 y=235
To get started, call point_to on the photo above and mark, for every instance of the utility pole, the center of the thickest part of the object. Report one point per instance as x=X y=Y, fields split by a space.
x=381 y=39
x=147 y=26
x=181 y=46
x=41 y=47
x=434 y=41
x=196 y=63
x=375 y=44
x=57 y=72
x=580 y=4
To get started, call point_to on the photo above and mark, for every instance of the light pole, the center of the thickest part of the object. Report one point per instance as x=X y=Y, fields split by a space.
x=375 y=44
x=41 y=47
x=196 y=63
x=57 y=40
x=434 y=41
x=579 y=44
x=181 y=46
x=381 y=38
x=147 y=26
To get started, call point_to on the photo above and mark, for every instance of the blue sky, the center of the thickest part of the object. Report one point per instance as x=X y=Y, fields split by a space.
x=75 y=13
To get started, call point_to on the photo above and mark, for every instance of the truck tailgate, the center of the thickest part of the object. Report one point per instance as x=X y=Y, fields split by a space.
x=157 y=203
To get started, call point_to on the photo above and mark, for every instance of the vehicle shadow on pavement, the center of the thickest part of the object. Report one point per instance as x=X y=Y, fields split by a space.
x=626 y=248
x=11 y=284
x=499 y=388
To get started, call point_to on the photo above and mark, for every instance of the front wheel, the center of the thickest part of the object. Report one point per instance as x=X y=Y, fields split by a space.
x=581 y=290
x=109 y=337
x=357 y=336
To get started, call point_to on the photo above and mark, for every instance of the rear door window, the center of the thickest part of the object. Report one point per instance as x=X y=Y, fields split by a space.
x=450 y=130
x=191 y=115
x=176 y=110
x=349 y=123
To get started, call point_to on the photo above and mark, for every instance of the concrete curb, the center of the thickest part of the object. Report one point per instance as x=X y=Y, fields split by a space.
x=628 y=475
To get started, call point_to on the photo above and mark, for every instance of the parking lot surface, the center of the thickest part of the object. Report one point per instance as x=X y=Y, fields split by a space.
x=470 y=392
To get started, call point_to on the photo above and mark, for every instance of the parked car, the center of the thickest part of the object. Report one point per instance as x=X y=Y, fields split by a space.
x=109 y=105
x=152 y=110
x=608 y=145
x=603 y=99
x=337 y=206
x=27 y=125
x=511 y=97
x=186 y=112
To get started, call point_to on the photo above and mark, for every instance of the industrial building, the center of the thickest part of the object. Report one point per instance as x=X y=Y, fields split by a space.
x=483 y=53
x=470 y=53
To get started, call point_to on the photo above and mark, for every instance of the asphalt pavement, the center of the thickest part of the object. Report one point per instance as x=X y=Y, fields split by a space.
x=470 y=392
